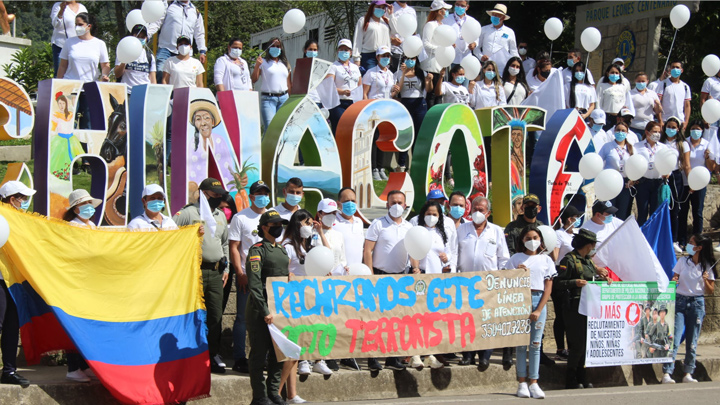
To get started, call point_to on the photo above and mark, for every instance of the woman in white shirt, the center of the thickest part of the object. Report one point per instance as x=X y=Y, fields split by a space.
x=412 y=86
x=615 y=155
x=63 y=21
x=231 y=71
x=673 y=137
x=371 y=32
x=695 y=154
x=142 y=70
x=453 y=91
x=514 y=84
x=276 y=80
x=326 y=212
x=487 y=90
x=438 y=11
x=580 y=95
x=611 y=95
x=81 y=55
x=695 y=276
x=378 y=83
x=182 y=70
x=347 y=80
x=648 y=186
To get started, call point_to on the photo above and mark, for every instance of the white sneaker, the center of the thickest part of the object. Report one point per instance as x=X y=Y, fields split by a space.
x=77 y=376
x=321 y=368
x=676 y=246
x=219 y=361
x=383 y=176
x=523 y=391
x=376 y=175
x=434 y=363
x=401 y=169
x=689 y=379
x=717 y=248
x=536 y=392
x=296 y=400
x=304 y=368
x=88 y=372
x=667 y=379
x=416 y=363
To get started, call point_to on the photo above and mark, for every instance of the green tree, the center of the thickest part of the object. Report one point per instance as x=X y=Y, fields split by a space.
x=31 y=65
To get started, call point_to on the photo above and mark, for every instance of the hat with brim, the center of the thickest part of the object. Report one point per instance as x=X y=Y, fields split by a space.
x=589 y=236
x=499 y=9
x=13 y=187
x=205 y=105
x=272 y=217
x=531 y=198
x=616 y=60
x=184 y=37
x=257 y=186
x=345 y=42
x=152 y=189
x=81 y=196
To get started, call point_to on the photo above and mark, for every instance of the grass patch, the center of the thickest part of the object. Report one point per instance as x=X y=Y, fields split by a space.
x=16 y=142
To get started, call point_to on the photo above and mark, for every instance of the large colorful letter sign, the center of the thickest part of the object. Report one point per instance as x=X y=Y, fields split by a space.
x=554 y=172
x=508 y=126
x=16 y=111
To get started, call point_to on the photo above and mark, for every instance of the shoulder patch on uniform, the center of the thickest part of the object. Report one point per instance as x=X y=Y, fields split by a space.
x=254 y=258
x=562 y=267
x=255 y=266
x=258 y=244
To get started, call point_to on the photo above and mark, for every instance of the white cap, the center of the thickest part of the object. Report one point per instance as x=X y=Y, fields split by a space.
x=345 y=42
x=625 y=112
x=621 y=60
x=598 y=116
x=13 y=187
x=327 y=205
x=382 y=50
x=439 y=4
x=151 y=189
x=80 y=196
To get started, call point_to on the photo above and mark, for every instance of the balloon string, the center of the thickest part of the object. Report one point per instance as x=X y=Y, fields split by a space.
x=551 y=46
x=671 y=48
x=563 y=210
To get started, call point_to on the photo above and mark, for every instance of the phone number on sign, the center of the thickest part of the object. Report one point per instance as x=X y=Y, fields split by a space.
x=520 y=326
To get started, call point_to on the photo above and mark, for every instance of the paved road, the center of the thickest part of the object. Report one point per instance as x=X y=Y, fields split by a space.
x=696 y=394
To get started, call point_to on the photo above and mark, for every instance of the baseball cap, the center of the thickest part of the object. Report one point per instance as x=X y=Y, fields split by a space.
x=625 y=112
x=569 y=212
x=435 y=194
x=213 y=185
x=257 y=186
x=345 y=42
x=151 y=189
x=531 y=198
x=327 y=205
x=13 y=187
x=382 y=50
x=379 y=2
x=271 y=217
x=439 y=4
x=598 y=116
x=183 y=36
x=604 y=207
x=618 y=60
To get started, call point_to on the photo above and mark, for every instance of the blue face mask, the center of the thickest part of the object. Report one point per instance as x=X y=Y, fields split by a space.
x=274 y=51
x=608 y=219
x=620 y=136
x=459 y=10
x=379 y=12
x=690 y=249
x=571 y=62
x=143 y=42
x=460 y=79
x=410 y=63
x=489 y=75
x=671 y=132
x=457 y=212
x=614 y=78
x=349 y=208
x=155 y=205
x=577 y=223
x=579 y=76
x=25 y=205
x=293 y=199
x=696 y=134
x=495 y=20
x=675 y=72
x=640 y=86
x=311 y=54
x=597 y=127
x=86 y=211
x=261 y=201
x=384 y=62
x=344 y=55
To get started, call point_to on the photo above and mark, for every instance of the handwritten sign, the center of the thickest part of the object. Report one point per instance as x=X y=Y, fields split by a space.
x=402 y=315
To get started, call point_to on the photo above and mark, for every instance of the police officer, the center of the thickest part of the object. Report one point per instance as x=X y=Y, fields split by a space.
x=266 y=258
x=574 y=271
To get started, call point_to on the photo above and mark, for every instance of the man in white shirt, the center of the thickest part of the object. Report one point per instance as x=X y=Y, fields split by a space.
x=497 y=41
x=399 y=8
x=675 y=95
x=181 y=18
x=710 y=89
x=573 y=57
x=457 y=207
x=456 y=20
x=603 y=223
x=153 y=199
x=654 y=85
x=527 y=62
x=350 y=226
x=142 y=70
x=294 y=193
x=242 y=234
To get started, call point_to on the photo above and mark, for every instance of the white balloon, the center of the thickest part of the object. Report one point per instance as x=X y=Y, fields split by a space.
x=129 y=49
x=293 y=21
x=472 y=66
x=608 y=184
x=698 y=178
x=590 y=165
x=319 y=261
x=679 y=16
x=412 y=46
x=636 y=167
x=549 y=237
x=134 y=18
x=553 y=28
x=711 y=110
x=152 y=10
x=444 y=35
x=665 y=161
x=406 y=25
x=445 y=55
x=590 y=38
x=4 y=231
x=711 y=65
x=470 y=30
x=359 y=269
x=418 y=242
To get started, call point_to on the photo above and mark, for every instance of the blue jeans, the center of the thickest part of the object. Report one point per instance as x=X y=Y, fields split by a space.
x=647 y=198
x=697 y=199
x=162 y=55
x=367 y=62
x=56 y=58
x=536 y=331
x=239 y=327
x=336 y=113
x=689 y=314
x=269 y=106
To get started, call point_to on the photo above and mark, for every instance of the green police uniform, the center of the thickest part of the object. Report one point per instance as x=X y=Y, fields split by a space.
x=644 y=324
x=513 y=229
x=660 y=337
x=265 y=259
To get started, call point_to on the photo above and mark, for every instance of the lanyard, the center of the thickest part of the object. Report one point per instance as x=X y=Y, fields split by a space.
x=620 y=152
x=651 y=152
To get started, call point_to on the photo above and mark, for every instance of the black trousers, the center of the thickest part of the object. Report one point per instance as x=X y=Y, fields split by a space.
x=10 y=329
x=559 y=324
x=576 y=337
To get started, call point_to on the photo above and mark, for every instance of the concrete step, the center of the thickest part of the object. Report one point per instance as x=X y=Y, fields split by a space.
x=50 y=387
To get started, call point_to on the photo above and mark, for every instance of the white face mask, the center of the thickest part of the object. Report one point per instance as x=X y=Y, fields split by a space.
x=532 y=245
x=396 y=210
x=235 y=53
x=514 y=71
x=306 y=231
x=431 y=220
x=80 y=30
x=328 y=220
x=184 y=50
x=478 y=217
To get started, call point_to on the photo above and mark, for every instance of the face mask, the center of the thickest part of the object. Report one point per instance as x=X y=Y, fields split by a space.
x=489 y=75
x=640 y=86
x=214 y=202
x=608 y=219
x=532 y=245
x=328 y=220
x=384 y=62
x=675 y=72
x=349 y=208
x=522 y=51
x=86 y=211
x=306 y=231
x=275 y=231
x=431 y=220
x=655 y=136
x=571 y=62
x=696 y=134
x=459 y=10
x=274 y=51
x=592 y=252
x=457 y=212
x=495 y=20
x=614 y=78
x=410 y=63
x=530 y=212
x=143 y=42
x=228 y=213
x=293 y=199
x=577 y=223
x=545 y=74
x=460 y=79
x=620 y=136
x=690 y=249
x=379 y=12
x=478 y=217
x=514 y=71
x=597 y=127
x=80 y=30
x=261 y=201
x=25 y=205
x=344 y=55
x=155 y=205
x=396 y=211
x=235 y=53
x=671 y=132
x=184 y=50
x=311 y=54
x=579 y=76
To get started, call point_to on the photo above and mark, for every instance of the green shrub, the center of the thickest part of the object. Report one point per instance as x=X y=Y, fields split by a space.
x=31 y=65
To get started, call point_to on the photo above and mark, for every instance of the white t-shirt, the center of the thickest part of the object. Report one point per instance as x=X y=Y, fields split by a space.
x=519 y=95
x=411 y=88
x=584 y=95
x=568 y=74
x=541 y=268
x=347 y=77
x=244 y=229
x=139 y=71
x=485 y=252
x=64 y=28
x=354 y=237
x=673 y=98
x=611 y=97
x=432 y=263
x=601 y=231
x=614 y=157
x=380 y=82
x=644 y=149
x=485 y=96
x=711 y=86
x=564 y=241
x=232 y=75
x=461 y=46
x=673 y=146
x=697 y=155
x=183 y=73
x=389 y=254
x=528 y=66
x=690 y=283
x=274 y=76
x=285 y=213
x=453 y=93
x=294 y=266
x=644 y=104
x=144 y=222
x=533 y=81
x=84 y=58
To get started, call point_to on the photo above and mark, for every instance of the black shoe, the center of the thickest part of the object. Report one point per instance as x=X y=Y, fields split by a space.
x=241 y=366
x=393 y=363
x=262 y=401
x=561 y=355
x=350 y=363
x=546 y=361
x=214 y=368
x=483 y=364
x=14 y=379
x=507 y=364
x=374 y=365
x=467 y=359
x=450 y=356
x=276 y=399
x=332 y=365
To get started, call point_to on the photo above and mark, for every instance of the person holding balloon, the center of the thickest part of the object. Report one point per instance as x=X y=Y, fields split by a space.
x=695 y=154
x=371 y=32
x=438 y=10
x=615 y=155
x=347 y=79
x=140 y=71
x=675 y=95
x=400 y=9
x=457 y=20
x=579 y=93
x=453 y=91
x=673 y=137
x=711 y=90
x=648 y=187
x=276 y=80
x=514 y=83
x=412 y=85
x=611 y=95
x=489 y=90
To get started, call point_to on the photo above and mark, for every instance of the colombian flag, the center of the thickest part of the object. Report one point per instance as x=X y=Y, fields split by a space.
x=130 y=302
